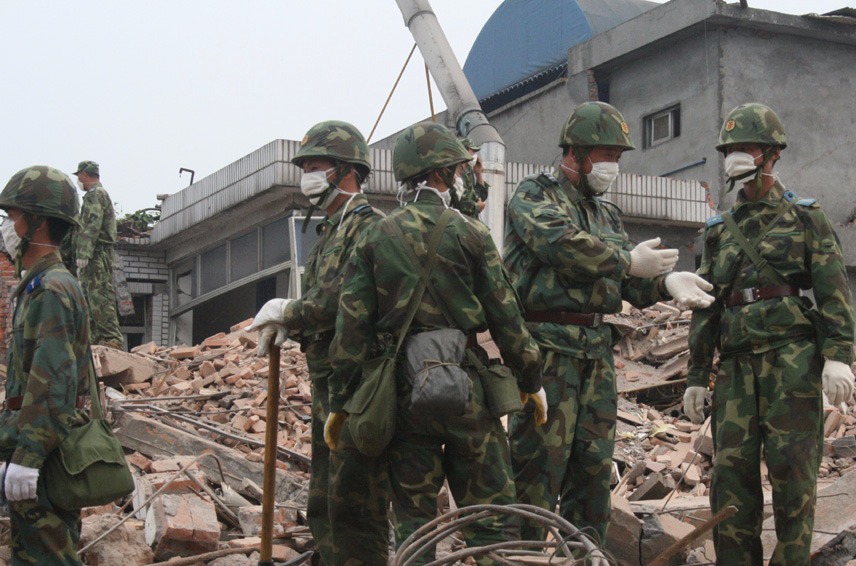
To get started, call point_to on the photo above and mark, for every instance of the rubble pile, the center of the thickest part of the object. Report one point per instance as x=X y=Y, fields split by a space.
x=662 y=462
x=193 y=420
x=217 y=389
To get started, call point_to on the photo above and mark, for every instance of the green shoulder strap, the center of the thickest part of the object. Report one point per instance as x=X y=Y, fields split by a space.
x=433 y=245
x=94 y=393
x=429 y=264
x=751 y=248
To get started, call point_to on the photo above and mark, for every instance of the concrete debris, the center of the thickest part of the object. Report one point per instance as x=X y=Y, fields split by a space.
x=181 y=524
x=171 y=404
x=651 y=362
x=125 y=545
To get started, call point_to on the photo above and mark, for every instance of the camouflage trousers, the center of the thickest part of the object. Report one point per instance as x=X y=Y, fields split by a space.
x=96 y=279
x=317 y=513
x=470 y=452
x=42 y=534
x=359 y=505
x=569 y=458
x=768 y=402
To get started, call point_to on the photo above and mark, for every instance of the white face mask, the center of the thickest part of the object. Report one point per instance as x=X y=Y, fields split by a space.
x=602 y=176
x=11 y=240
x=739 y=163
x=445 y=196
x=313 y=185
x=458 y=187
x=80 y=185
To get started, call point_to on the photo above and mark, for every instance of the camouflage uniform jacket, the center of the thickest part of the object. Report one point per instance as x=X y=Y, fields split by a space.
x=568 y=252
x=315 y=311
x=97 y=222
x=803 y=248
x=48 y=364
x=473 y=192
x=380 y=279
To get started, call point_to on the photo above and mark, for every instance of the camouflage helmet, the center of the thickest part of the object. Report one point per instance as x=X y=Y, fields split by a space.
x=752 y=123
x=42 y=191
x=424 y=147
x=334 y=140
x=593 y=124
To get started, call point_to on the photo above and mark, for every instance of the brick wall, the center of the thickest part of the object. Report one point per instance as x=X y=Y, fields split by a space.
x=8 y=282
x=148 y=274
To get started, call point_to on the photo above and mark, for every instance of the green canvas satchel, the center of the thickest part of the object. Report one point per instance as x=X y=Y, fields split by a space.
x=89 y=467
x=371 y=410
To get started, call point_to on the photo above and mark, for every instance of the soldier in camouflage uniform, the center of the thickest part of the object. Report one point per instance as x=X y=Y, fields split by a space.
x=348 y=525
x=475 y=188
x=777 y=353
x=470 y=451
x=571 y=262
x=48 y=365
x=93 y=246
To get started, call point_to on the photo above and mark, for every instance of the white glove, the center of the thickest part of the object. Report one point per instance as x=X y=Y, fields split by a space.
x=689 y=289
x=694 y=403
x=837 y=381
x=21 y=482
x=647 y=261
x=270 y=321
x=81 y=264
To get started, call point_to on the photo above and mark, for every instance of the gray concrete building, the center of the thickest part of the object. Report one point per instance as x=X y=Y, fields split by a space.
x=233 y=240
x=675 y=70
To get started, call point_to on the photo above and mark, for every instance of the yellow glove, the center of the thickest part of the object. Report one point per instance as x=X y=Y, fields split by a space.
x=332 y=429
x=540 y=399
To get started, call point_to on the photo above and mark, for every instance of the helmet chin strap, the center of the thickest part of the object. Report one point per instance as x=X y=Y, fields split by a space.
x=580 y=154
x=341 y=172
x=33 y=224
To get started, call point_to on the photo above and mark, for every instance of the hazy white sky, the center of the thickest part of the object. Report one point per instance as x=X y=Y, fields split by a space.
x=145 y=88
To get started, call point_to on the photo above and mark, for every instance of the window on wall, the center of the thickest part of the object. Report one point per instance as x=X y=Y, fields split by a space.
x=662 y=126
x=276 y=243
x=213 y=269
x=244 y=255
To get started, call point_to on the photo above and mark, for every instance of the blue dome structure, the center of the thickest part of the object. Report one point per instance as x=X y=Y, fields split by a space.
x=525 y=43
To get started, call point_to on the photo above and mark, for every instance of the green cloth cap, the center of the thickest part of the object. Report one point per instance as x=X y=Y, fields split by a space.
x=88 y=167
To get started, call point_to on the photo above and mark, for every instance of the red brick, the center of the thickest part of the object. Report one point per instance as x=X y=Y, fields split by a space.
x=250 y=519
x=179 y=524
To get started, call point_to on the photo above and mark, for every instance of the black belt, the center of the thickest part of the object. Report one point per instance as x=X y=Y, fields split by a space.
x=15 y=403
x=592 y=319
x=753 y=294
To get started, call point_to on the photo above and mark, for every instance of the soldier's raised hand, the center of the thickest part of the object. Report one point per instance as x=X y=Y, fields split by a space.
x=689 y=289
x=647 y=261
x=270 y=322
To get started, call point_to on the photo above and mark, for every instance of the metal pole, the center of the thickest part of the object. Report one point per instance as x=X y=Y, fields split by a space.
x=462 y=104
x=269 y=482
